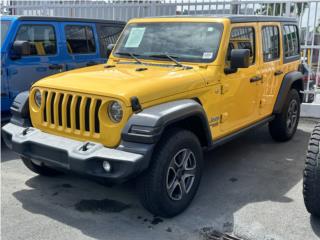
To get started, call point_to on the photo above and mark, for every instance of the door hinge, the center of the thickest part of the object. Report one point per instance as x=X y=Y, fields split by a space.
x=262 y=103
x=224 y=89
x=224 y=117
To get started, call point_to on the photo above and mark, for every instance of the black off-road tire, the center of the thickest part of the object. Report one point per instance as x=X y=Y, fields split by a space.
x=279 y=128
x=153 y=185
x=311 y=174
x=41 y=170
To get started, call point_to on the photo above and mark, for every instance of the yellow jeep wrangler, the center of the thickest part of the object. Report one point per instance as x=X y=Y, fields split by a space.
x=172 y=87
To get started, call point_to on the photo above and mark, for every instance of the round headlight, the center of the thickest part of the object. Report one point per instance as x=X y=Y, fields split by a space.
x=115 y=111
x=37 y=98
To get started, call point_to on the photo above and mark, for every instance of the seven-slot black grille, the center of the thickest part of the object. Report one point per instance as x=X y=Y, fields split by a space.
x=73 y=111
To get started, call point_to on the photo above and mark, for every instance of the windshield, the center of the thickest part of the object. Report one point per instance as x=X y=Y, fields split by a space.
x=4 y=30
x=190 y=42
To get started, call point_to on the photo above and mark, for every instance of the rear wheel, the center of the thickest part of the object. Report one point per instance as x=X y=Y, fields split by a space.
x=172 y=180
x=39 y=168
x=284 y=125
x=311 y=176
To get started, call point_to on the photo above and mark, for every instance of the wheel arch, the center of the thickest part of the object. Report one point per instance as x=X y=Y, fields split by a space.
x=292 y=80
x=149 y=125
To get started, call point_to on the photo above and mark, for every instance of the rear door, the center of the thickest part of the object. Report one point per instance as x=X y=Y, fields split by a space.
x=81 y=45
x=271 y=66
x=44 y=58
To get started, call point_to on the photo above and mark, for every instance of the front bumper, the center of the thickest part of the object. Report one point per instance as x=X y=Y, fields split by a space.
x=64 y=153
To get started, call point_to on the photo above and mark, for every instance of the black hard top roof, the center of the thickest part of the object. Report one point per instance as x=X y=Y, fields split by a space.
x=239 y=18
x=68 y=19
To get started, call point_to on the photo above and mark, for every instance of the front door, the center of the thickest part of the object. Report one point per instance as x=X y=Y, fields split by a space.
x=43 y=59
x=239 y=106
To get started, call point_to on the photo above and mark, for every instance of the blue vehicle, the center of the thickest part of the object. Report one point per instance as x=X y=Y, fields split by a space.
x=35 y=47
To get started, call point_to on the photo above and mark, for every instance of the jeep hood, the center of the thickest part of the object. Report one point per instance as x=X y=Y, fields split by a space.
x=126 y=80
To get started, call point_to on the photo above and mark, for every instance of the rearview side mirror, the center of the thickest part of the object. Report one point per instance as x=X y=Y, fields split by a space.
x=110 y=48
x=19 y=49
x=240 y=58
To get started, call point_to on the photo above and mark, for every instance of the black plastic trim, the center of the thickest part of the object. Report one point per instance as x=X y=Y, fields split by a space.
x=158 y=117
x=285 y=87
x=232 y=136
x=237 y=18
x=20 y=110
x=66 y=19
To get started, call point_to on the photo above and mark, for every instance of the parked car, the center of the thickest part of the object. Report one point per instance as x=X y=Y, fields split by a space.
x=35 y=47
x=169 y=90
x=311 y=176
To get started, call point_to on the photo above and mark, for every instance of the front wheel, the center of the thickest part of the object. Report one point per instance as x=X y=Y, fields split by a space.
x=171 y=182
x=284 y=125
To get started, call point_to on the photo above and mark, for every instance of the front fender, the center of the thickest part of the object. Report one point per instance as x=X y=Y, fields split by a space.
x=148 y=125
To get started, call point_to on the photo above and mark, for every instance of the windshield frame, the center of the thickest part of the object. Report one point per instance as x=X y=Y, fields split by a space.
x=9 y=22
x=185 y=60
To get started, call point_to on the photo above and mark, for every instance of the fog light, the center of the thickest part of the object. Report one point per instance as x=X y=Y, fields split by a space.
x=106 y=166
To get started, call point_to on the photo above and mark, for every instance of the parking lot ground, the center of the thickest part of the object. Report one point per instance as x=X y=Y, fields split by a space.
x=251 y=186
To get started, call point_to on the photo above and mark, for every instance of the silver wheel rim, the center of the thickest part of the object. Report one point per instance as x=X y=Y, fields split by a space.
x=181 y=174
x=292 y=114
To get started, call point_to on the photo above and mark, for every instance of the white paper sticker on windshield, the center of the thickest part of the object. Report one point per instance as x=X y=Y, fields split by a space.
x=135 y=37
x=210 y=29
x=207 y=55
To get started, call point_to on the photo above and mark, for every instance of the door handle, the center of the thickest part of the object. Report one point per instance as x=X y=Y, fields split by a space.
x=91 y=63
x=55 y=67
x=278 y=72
x=256 y=79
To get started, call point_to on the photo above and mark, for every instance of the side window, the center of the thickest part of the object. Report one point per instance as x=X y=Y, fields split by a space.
x=242 y=38
x=42 y=39
x=80 y=39
x=108 y=34
x=270 y=43
x=290 y=41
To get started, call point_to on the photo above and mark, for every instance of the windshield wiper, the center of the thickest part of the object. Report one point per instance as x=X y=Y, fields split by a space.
x=172 y=58
x=132 y=55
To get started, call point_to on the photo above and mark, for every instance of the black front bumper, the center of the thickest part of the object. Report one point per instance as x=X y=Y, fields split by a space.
x=64 y=153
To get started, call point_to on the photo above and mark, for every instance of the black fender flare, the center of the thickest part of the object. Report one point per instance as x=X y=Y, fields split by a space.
x=20 y=110
x=148 y=125
x=291 y=79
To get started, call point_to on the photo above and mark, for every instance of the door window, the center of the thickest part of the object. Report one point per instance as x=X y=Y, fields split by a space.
x=242 y=38
x=41 y=38
x=108 y=35
x=270 y=43
x=80 y=39
x=290 y=41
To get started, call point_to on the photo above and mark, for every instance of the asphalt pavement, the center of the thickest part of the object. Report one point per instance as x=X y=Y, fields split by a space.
x=251 y=187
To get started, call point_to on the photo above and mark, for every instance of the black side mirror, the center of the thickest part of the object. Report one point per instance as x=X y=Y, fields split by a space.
x=110 y=48
x=240 y=58
x=20 y=48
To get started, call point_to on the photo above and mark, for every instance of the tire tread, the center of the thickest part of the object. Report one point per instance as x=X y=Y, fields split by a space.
x=311 y=174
